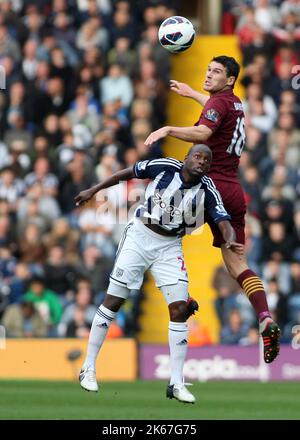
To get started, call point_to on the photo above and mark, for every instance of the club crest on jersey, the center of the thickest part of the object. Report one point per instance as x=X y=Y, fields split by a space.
x=119 y=272
x=212 y=115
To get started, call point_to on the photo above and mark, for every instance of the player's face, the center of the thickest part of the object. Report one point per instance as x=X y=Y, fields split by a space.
x=216 y=78
x=198 y=163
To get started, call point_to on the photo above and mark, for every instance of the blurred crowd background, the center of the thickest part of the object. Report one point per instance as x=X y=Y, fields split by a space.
x=86 y=82
x=269 y=38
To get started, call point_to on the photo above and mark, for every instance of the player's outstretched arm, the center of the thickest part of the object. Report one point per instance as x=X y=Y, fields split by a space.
x=230 y=237
x=84 y=196
x=197 y=134
x=185 y=90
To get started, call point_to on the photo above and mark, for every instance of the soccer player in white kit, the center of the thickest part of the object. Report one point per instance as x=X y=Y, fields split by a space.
x=175 y=201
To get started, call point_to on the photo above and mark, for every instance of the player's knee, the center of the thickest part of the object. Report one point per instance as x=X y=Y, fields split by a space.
x=113 y=303
x=234 y=264
x=115 y=297
x=178 y=311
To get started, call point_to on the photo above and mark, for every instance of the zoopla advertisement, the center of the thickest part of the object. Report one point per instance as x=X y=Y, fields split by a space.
x=221 y=363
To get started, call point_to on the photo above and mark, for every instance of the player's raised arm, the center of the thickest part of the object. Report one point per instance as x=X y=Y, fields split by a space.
x=185 y=90
x=119 y=176
x=196 y=134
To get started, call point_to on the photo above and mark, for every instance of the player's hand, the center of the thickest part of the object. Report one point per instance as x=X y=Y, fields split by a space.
x=156 y=135
x=238 y=248
x=181 y=88
x=83 y=197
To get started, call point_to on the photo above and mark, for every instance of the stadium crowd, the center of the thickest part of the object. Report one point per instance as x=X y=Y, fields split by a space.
x=269 y=39
x=86 y=82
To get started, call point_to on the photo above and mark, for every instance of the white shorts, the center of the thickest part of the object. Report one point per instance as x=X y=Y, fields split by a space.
x=140 y=249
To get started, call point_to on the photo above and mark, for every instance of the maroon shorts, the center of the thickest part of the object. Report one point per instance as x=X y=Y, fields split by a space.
x=234 y=202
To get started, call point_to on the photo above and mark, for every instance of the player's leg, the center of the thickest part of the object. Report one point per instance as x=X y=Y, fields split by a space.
x=178 y=340
x=232 y=195
x=103 y=318
x=171 y=277
x=127 y=274
x=254 y=289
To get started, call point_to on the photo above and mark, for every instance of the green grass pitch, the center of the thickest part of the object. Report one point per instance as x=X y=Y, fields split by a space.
x=146 y=400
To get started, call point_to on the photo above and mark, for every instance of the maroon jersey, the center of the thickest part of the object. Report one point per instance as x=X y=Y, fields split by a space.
x=223 y=114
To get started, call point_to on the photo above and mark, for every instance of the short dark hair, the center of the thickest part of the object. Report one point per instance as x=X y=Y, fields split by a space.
x=231 y=65
x=39 y=279
x=200 y=147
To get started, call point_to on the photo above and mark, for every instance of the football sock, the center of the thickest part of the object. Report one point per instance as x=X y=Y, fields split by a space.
x=178 y=343
x=255 y=291
x=101 y=322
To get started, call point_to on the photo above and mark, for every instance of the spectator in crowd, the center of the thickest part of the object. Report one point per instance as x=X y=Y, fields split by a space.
x=24 y=321
x=46 y=302
x=86 y=82
x=18 y=282
x=96 y=267
x=199 y=335
x=235 y=331
x=277 y=244
x=11 y=188
x=60 y=276
x=116 y=85
x=78 y=316
x=63 y=235
x=277 y=303
x=227 y=289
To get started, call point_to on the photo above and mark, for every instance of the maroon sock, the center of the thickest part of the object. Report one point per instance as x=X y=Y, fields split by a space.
x=255 y=291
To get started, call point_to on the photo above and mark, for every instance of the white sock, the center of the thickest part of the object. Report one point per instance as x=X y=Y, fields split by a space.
x=101 y=322
x=178 y=342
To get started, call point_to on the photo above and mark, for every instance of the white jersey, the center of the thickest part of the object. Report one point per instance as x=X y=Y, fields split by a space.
x=173 y=204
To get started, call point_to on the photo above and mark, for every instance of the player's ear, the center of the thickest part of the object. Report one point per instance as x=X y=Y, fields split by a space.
x=231 y=80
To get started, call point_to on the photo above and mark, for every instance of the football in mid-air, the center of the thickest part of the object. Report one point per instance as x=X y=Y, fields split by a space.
x=176 y=34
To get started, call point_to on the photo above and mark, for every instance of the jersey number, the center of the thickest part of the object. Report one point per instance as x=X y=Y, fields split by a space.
x=183 y=268
x=238 y=139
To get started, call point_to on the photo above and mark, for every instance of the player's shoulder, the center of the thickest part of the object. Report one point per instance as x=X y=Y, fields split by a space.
x=210 y=188
x=228 y=104
x=207 y=181
x=166 y=162
x=219 y=103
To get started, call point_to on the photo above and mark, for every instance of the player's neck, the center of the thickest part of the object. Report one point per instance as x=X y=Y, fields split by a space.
x=224 y=89
x=187 y=178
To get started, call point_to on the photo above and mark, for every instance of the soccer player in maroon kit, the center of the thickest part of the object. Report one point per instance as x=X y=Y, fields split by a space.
x=221 y=127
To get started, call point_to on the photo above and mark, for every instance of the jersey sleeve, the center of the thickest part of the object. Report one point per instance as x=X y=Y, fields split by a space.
x=149 y=169
x=213 y=202
x=213 y=113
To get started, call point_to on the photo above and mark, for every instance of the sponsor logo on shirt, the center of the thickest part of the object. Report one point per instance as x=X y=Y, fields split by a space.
x=170 y=209
x=212 y=115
